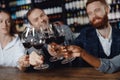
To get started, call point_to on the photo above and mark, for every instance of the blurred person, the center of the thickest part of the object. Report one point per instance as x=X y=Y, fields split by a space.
x=38 y=18
x=67 y=31
x=11 y=49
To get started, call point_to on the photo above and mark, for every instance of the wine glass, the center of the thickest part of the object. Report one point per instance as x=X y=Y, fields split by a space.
x=59 y=39
x=26 y=38
x=67 y=43
x=49 y=34
x=38 y=42
x=68 y=59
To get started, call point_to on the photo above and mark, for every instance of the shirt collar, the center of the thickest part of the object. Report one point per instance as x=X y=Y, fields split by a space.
x=12 y=43
x=110 y=34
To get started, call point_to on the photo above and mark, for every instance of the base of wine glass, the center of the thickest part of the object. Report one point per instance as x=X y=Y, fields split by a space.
x=67 y=60
x=53 y=59
x=41 y=67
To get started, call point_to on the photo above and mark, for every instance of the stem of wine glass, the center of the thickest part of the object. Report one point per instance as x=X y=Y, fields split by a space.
x=41 y=66
x=55 y=58
x=68 y=59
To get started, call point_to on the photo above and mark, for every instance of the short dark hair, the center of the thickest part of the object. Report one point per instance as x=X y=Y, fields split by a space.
x=13 y=30
x=102 y=1
x=29 y=12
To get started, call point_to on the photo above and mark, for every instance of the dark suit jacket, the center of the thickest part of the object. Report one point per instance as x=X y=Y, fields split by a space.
x=89 y=41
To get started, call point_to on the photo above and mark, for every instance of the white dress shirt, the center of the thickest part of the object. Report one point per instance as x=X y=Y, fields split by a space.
x=106 y=42
x=11 y=53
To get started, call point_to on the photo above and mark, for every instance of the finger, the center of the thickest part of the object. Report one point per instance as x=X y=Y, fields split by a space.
x=26 y=64
x=37 y=60
x=40 y=59
x=33 y=62
x=70 y=47
x=66 y=55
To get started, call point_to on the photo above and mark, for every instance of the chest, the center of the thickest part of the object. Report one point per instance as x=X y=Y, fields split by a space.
x=7 y=56
x=94 y=46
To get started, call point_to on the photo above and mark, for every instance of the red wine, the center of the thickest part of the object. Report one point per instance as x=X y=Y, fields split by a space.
x=38 y=46
x=50 y=40
x=27 y=45
x=60 y=39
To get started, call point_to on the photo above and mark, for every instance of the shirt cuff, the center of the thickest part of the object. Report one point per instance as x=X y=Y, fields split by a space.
x=104 y=65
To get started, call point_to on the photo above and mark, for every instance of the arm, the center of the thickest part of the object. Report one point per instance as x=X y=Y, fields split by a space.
x=110 y=65
x=79 y=52
x=76 y=52
x=103 y=65
x=89 y=59
x=23 y=63
x=34 y=57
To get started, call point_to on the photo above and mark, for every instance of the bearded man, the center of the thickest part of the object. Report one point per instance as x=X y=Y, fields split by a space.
x=101 y=39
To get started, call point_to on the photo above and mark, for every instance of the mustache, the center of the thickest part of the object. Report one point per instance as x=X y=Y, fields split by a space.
x=96 y=18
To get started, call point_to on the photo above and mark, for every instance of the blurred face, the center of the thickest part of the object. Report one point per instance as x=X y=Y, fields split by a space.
x=97 y=13
x=4 y=23
x=38 y=19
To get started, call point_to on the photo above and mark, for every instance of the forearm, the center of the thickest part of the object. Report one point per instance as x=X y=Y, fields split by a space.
x=93 y=61
x=110 y=65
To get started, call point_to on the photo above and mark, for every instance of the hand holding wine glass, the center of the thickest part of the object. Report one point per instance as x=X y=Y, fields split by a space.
x=59 y=39
x=25 y=38
x=23 y=62
x=32 y=37
x=38 y=42
x=49 y=34
x=68 y=52
x=72 y=51
x=55 y=51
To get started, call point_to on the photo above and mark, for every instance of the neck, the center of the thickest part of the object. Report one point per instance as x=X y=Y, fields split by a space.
x=5 y=39
x=105 y=31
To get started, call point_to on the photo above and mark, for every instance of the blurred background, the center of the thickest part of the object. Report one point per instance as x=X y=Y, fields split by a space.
x=70 y=12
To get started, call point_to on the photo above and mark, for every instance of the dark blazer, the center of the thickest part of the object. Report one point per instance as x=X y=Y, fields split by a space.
x=89 y=41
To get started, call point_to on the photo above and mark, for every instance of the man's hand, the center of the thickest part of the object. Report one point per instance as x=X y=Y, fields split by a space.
x=73 y=51
x=54 y=49
x=35 y=59
x=23 y=62
x=68 y=51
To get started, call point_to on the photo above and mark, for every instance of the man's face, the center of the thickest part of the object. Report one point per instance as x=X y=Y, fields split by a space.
x=38 y=19
x=97 y=14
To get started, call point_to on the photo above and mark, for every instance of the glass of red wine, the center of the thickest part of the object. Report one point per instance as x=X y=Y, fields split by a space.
x=26 y=38
x=65 y=43
x=38 y=42
x=67 y=59
x=49 y=34
x=59 y=39
x=34 y=38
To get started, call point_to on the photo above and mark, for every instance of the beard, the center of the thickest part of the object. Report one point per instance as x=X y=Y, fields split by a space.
x=44 y=24
x=103 y=22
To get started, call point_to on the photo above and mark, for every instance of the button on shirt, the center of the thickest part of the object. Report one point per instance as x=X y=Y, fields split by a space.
x=106 y=42
x=11 y=53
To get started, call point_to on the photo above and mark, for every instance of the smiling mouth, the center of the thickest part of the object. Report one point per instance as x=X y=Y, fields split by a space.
x=97 y=21
x=4 y=29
